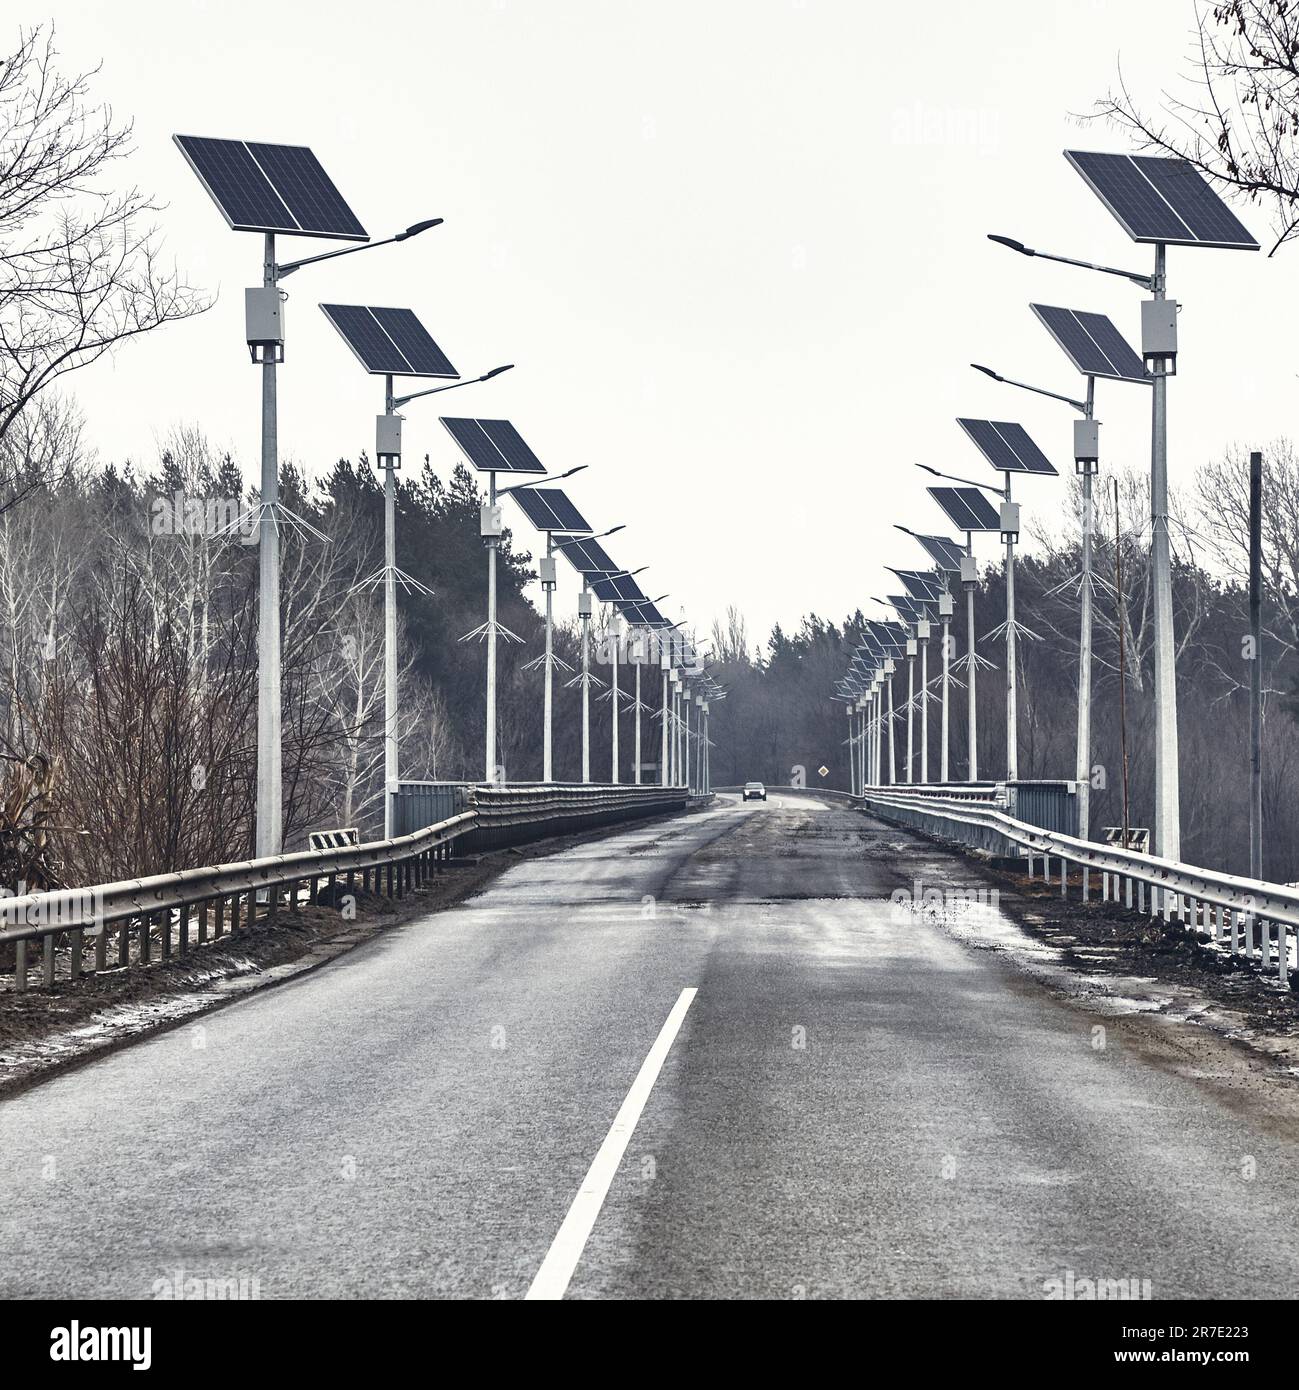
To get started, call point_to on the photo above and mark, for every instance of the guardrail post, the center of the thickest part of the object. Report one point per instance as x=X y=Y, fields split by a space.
x=146 y=945
x=124 y=942
x=74 y=964
x=1084 y=882
x=313 y=890
x=272 y=913
x=164 y=932
x=47 y=944
x=1282 y=954
x=183 y=936
x=20 y=966
x=235 y=900
x=101 y=947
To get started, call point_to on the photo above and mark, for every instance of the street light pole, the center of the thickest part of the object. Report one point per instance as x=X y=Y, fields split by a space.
x=270 y=801
x=1012 y=707
x=1082 y=766
x=1168 y=832
x=390 y=772
x=665 y=665
x=922 y=632
x=584 y=614
x=613 y=692
x=548 y=702
x=971 y=706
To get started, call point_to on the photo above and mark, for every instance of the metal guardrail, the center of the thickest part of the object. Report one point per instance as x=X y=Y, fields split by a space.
x=157 y=912
x=1229 y=908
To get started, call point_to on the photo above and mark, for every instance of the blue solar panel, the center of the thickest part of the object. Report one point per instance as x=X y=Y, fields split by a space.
x=967 y=508
x=307 y=191
x=608 y=589
x=1092 y=343
x=586 y=556
x=236 y=184
x=549 y=509
x=416 y=343
x=362 y=333
x=1006 y=446
x=477 y=446
x=508 y=440
x=270 y=188
x=1161 y=200
x=944 y=553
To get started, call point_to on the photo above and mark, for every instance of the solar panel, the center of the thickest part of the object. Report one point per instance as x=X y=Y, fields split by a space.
x=270 y=188
x=493 y=446
x=306 y=189
x=891 y=637
x=415 y=342
x=906 y=607
x=389 y=342
x=586 y=556
x=510 y=442
x=921 y=586
x=549 y=509
x=944 y=553
x=1006 y=446
x=645 y=614
x=1161 y=200
x=967 y=508
x=612 y=588
x=1091 y=343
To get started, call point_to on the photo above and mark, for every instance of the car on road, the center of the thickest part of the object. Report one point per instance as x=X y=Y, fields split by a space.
x=755 y=791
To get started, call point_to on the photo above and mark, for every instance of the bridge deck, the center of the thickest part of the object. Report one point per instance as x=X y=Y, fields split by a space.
x=857 y=1102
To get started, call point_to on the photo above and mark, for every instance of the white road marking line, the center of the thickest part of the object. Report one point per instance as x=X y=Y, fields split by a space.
x=566 y=1249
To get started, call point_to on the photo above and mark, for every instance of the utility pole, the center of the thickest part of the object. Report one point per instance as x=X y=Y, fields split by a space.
x=1256 y=665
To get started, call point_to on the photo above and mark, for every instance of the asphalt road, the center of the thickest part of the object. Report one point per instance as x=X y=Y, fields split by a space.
x=855 y=1104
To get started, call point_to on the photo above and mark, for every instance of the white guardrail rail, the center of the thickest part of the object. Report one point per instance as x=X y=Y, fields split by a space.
x=166 y=914
x=1255 y=920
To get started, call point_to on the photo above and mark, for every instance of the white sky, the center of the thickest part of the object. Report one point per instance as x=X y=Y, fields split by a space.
x=736 y=248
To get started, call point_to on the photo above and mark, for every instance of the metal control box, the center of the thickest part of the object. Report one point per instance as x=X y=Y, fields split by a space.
x=1086 y=442
x=264 y=323
x=546 y=571
x=387 y=440
x=969 y=571
x=945 y=605
x=1009 y=520
x=490 y=523
x=585 y=604
x=1158 y=328
x=912 y=646
x=922 y=629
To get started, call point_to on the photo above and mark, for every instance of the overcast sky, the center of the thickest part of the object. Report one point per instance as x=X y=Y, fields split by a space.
x=736 y=248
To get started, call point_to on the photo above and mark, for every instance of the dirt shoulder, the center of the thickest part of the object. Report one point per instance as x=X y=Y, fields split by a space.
x=1134 y=967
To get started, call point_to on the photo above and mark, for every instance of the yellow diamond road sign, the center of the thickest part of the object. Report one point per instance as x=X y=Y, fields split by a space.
x=824 y=771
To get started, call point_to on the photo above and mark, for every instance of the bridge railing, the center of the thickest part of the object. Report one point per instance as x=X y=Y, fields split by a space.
x=166 y=915
x=1257 y=920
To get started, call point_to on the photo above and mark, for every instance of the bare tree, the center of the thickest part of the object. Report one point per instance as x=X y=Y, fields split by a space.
x=80 y=267
x=1238 y=122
